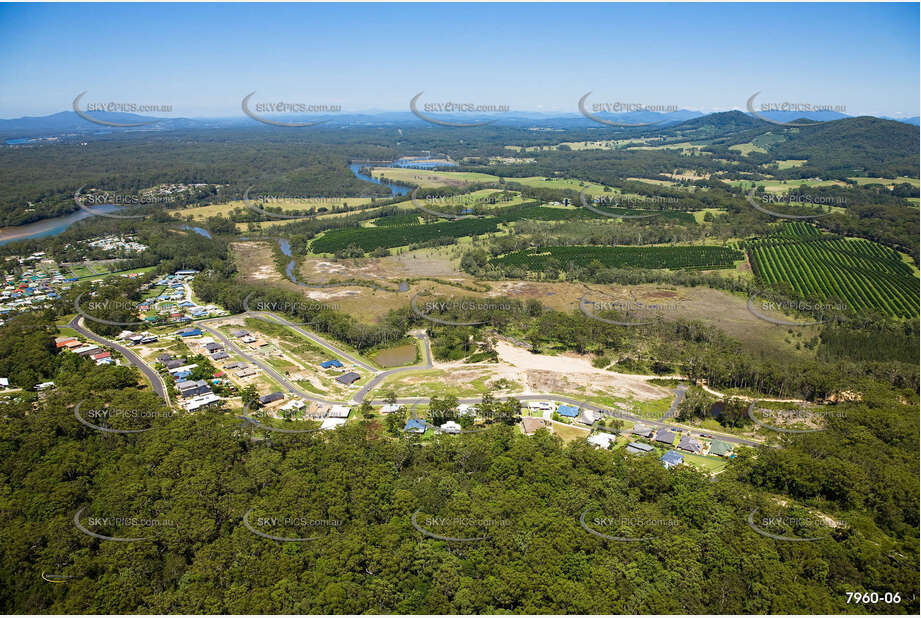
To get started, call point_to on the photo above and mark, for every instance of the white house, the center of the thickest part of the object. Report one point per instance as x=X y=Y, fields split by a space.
x=339 y=412
x=202 y=401
x=451 y=427
x=332 y=423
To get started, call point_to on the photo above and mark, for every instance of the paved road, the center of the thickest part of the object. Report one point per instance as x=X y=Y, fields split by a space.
x=285 y=382
x=679 y=396
x=315 y=338
x=373 y=382
x=361 y=395
x=621 y=415
x=152 y=376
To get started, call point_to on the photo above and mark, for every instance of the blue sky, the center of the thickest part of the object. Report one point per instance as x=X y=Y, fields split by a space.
x=203 y=58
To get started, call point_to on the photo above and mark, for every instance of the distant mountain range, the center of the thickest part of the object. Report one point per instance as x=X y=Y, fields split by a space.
x=67 y=123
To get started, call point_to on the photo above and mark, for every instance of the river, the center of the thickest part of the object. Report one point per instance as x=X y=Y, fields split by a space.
x=49 y=227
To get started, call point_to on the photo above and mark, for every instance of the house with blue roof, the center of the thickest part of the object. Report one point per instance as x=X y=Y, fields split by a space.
x=415 y=425
x=568 y=411
x=672 y=458
x=330 y=363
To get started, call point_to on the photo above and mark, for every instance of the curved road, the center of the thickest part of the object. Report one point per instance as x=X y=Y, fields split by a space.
x=378 y=376
x=152 y=376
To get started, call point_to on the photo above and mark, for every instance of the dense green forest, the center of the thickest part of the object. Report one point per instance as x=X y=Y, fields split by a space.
x=191 y=479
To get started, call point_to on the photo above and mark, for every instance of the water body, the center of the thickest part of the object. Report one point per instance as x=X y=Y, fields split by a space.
x=394 y=357
x=395 y=189
x=49 y=227
x=198 y=230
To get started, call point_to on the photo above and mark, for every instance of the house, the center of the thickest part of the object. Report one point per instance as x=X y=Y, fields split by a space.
x=87 y=350
x=723 y=449
x=237 y=334
x=61 y=342
x=276 y=396
x=204 y=401
x=530 y=425
x=190 y=332
x=150 y=339
x=451 y=427
x=44 y=386
x=213 y=347
x=666 y=437
x=332 y=423
x=567 y=411
x=100 y=355
x=165 y=357
x=540 y=405
x=602 y=439
x=220 y=355
x=105 y=361
x=339 y=412
x=182 y=369
x=4 y=383
x=236 y=365
x=348 y=378
x=245 y=373
x=639 y=429
x=589 y=417
x=414 y=425
x=192 y=388
x=638 y=448
x=690 y=444
x=330 y=363
x=247 y=338
x=389 y=408
x=294 y=404
x=466 y=409
x=671 y=459
x=173 y=364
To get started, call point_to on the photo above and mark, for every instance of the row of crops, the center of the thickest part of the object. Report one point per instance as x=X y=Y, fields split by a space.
x=671 y=257
x=865 y=275
x=404 y=229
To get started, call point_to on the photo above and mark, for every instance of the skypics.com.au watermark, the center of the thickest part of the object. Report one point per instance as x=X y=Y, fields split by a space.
x=443 y=528
x=259 y=525
x=802 y=200
x=796 y=417
x=623 y=528
x=634 y=312
x=118 y=107
x=450 y=107
x=614 y=201
x=254 y=111
x=120 y=521
x=91 y=416
x=822 y=312
x=619 y=107
x=785 y=527
x=788 y=107
x=466 y=307
x=121 y=201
